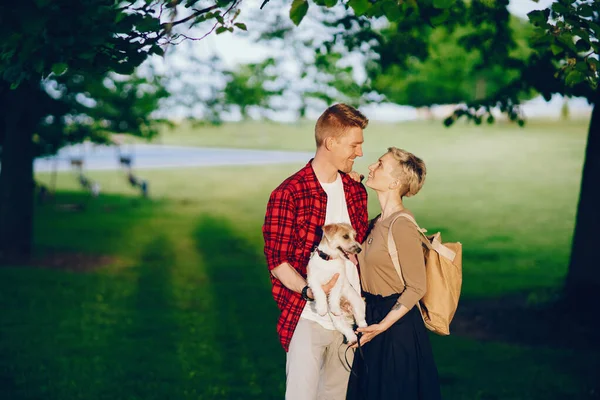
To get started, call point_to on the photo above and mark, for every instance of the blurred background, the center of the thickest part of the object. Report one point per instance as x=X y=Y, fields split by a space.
x=140 y=141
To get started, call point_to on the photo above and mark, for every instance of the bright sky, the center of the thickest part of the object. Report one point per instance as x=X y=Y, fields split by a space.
x=235 y=49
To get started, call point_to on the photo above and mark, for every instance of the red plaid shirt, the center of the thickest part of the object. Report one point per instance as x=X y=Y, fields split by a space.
x=293 y=222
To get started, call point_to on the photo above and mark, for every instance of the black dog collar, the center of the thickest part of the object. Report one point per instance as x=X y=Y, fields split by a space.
x=323 y=255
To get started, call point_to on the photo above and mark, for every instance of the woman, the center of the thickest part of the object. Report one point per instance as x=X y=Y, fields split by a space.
x=396 y=361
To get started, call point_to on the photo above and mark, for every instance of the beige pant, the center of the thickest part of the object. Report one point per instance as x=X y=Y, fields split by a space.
x=315 y=365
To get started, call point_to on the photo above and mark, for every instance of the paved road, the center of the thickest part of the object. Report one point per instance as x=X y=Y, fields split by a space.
x=160 y=156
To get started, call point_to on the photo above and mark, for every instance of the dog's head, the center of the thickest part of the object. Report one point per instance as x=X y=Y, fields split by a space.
x=341 y=237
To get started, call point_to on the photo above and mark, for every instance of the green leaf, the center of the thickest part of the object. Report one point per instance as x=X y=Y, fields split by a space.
x=574 y=77
x=120 y=17
x=220 y=30
x=124 y=68
x=298 y=11
x=241 y=25
x=443 y=3
x=359 y=6
x=392 y=10
x=156 y=49
x=556 y=49
x=567 y=40
x=582 y=67
x=595 y=27
x=582 y=45
x=148 y=24
x=440 y=19
x=585 y=10
x=539 y=17
x=59 y=68
x=325 y=3
x=561 y=9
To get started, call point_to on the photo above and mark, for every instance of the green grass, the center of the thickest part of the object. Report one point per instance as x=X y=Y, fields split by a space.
x=185 y=312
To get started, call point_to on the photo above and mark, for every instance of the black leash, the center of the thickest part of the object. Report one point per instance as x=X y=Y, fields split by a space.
x=365 y=367
x=360 y=352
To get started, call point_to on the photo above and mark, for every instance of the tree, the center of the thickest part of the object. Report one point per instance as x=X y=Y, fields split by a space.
x=252 y=86
x=449 y=74
x=569 y=47
x=87 y=39
x=565 y=60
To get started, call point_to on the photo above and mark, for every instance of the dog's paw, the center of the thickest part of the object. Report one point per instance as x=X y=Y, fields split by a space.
x=351 y=338
x=336 y=311
x=321 y=310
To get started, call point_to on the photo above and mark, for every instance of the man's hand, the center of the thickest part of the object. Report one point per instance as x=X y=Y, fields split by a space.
x=329 y=285
x=356 y=176
x=326 y=287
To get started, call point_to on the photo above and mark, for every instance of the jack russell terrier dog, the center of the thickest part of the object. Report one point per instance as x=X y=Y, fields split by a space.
x=329 y=259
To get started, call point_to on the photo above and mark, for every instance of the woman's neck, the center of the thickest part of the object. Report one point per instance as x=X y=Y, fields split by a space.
x=390 y=203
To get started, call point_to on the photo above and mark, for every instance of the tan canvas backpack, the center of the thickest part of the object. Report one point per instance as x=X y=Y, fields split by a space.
x=443 y=264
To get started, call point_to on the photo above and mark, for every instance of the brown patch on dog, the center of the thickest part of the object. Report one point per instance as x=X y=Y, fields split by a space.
x=330 y=230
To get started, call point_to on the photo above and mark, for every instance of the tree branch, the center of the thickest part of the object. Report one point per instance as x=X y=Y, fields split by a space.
x=194 y=15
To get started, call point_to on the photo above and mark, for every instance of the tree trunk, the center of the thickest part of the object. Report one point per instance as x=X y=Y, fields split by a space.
x=16 y=171
x=583 y=279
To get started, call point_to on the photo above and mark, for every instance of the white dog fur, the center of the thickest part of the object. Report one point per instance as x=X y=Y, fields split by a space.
x=338 y=241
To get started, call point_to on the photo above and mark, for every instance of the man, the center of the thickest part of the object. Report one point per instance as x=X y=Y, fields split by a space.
x=318 y=194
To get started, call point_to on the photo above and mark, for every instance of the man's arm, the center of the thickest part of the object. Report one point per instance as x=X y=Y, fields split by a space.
x=292 y=280
x=278 y=230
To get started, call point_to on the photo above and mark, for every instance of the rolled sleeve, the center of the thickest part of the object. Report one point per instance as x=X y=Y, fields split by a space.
x=278 y=228
x=412 y=262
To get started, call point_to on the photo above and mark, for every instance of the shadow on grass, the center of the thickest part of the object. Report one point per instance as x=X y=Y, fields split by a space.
x=251 y=361
x=74 y=221
x=532 y=318
x=146 y=364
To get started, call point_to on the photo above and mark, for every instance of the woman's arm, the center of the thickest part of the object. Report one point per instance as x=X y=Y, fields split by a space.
x=368 y=333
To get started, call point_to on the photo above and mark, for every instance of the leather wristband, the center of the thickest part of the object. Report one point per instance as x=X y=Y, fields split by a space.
x=305 y=293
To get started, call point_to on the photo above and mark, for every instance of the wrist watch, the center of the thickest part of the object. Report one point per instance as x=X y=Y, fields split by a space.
x=305 y=293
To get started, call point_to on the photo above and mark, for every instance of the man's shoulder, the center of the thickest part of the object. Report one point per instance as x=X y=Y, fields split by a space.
x=293 y=183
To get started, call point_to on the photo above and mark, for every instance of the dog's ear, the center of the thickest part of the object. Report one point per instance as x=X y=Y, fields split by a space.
x=330 y=230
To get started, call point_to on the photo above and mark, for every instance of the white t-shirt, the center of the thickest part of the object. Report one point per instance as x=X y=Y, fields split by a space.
x=337 y=212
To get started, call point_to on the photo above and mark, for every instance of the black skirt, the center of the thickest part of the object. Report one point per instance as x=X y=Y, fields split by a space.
x=398 y=363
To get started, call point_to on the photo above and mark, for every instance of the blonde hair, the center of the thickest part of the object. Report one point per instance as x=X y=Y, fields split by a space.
x=336 y=120
x=410 y=169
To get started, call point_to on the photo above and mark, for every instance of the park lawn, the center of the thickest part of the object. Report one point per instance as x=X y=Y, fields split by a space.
x=184 y=309
x=299 y=136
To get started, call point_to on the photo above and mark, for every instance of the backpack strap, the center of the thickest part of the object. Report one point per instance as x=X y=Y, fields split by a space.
x=434 y=244
x=393 y=251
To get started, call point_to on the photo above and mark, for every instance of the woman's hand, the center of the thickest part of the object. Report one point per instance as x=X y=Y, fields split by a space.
x=368 y=333
x=356 y=176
